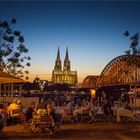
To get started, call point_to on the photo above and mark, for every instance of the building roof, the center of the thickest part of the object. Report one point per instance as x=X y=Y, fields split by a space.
x=7 y=78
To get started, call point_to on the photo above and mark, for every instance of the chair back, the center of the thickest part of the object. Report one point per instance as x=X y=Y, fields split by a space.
x=15 y=112
x=85 y=112
x=42 y=119
x=46 y=118
x=67 y=111
x=125 y=112
x=42 y=111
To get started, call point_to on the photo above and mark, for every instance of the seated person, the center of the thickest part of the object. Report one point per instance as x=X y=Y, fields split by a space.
x=3 y=116
x=41 y=105
x=127 y=106
x=89 y=105
x=30 y=111
x=49 y=108
x=1 y=121
x=3 y=110
x=51 y=112
x=41 y=108
x=12 y=106
x=70 y=105
x=108 y=110
x=20 y=105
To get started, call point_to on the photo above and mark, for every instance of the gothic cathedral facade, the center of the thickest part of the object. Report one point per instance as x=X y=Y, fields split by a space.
x=64 y=75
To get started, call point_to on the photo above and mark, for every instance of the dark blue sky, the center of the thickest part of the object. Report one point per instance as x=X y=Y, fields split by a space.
x=92 y=31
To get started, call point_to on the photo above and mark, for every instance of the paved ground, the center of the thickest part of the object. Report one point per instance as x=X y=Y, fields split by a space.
x=96 y=131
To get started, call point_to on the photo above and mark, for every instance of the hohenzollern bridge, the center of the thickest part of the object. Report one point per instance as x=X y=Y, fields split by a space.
x=123 y=72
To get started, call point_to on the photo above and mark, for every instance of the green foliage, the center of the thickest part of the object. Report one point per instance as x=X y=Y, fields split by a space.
x=134 y=49
x=13 y=50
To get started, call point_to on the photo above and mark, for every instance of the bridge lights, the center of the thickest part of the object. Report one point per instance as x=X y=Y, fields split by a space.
x=93 y=93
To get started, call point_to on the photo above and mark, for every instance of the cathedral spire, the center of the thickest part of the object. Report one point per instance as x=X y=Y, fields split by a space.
x=57 y=66
x=58 y=55
x=67 y=61
x=67 y=55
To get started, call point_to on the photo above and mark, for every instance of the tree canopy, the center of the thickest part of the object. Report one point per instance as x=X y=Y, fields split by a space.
x=12 y=50
x=134 y=49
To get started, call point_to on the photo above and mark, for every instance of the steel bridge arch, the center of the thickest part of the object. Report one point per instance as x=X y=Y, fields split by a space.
x=124 y=69
x=90 y=81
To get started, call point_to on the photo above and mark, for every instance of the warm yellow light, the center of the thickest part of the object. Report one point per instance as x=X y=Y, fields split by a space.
x=93 y=93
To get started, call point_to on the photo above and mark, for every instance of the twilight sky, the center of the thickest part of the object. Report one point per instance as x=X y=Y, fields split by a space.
x=91 y=30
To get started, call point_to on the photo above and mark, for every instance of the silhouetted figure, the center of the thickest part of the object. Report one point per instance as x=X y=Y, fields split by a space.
x=30 y=110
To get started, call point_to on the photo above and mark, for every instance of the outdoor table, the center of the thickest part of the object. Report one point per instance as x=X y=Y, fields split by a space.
x=124 y=113
x=77 y=111
x=99 y=110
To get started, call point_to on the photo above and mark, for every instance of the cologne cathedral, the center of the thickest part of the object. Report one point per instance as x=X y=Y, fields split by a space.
x=64 y=75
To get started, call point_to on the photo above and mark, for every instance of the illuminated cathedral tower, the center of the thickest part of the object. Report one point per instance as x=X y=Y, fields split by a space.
x=58 y=66
x=64 y=75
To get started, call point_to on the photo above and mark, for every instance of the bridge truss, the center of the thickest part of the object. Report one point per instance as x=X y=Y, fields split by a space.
x=122 y=70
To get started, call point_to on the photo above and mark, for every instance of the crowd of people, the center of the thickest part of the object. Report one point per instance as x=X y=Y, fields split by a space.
x=53 y=107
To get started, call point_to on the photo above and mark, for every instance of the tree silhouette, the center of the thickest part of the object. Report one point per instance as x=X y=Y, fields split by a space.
x=40 y=83
x=134 y=49
x=12 y=50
